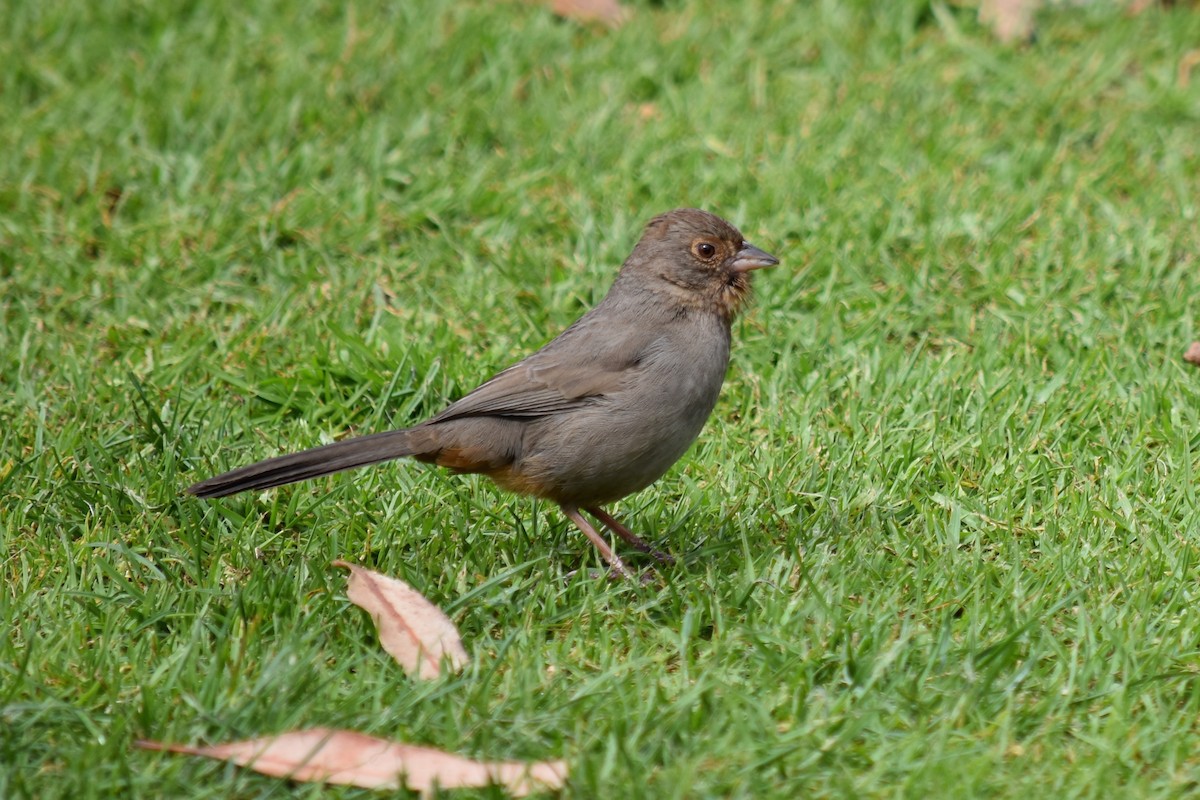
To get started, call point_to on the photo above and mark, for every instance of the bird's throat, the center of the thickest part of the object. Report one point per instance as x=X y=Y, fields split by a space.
x=734 y=294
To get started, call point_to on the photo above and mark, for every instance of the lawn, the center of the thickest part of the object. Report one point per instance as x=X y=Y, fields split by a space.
x=941 y=537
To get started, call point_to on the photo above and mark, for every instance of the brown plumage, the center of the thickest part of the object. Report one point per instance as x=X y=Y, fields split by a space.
x=600 y=412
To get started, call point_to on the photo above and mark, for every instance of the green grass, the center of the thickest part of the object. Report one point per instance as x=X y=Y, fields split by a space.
x=940 y=539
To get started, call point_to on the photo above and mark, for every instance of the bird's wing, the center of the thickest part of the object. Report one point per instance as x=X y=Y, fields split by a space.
x=558 y=378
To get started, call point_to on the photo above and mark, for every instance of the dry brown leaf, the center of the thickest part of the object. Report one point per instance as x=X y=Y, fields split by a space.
x=608 y=12
x=413 y=630
x=1189 y=61
x=1138 y=6
x=1192 y=356
x=355 y=759
x=1010 y=20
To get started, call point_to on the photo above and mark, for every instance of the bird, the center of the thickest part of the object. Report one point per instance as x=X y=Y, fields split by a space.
x=601 y=411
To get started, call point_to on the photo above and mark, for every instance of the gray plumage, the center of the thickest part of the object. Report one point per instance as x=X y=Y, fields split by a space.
x=598 y=413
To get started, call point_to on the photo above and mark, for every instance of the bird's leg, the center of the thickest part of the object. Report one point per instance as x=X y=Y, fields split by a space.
x=589 y=531
x=629 y=536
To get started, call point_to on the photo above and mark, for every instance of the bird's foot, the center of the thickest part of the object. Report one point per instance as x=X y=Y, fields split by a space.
x=643 y=578
x=635 y=541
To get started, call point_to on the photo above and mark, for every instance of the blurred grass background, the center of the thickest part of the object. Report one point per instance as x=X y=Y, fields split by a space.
x=938 y=540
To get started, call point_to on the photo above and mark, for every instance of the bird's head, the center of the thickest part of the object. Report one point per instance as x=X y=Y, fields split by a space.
x=696 y=258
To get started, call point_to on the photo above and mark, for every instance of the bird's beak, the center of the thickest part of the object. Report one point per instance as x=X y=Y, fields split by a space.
x=750 y=257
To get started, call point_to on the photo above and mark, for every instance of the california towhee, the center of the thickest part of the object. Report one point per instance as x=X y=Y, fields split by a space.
x=598 y=413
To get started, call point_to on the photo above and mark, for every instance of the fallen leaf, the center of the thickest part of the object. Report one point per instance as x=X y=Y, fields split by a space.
x=1138 y=6
x=413 y=630
x=608 y=12
x=1010 y=20
x=354 y=759
x=1192 y=356
x=1189 y=61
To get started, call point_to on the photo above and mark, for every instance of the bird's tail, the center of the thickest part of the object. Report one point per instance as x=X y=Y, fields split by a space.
x=357 y=452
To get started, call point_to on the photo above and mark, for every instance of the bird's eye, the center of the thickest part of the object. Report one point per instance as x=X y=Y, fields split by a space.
x=705 y=250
